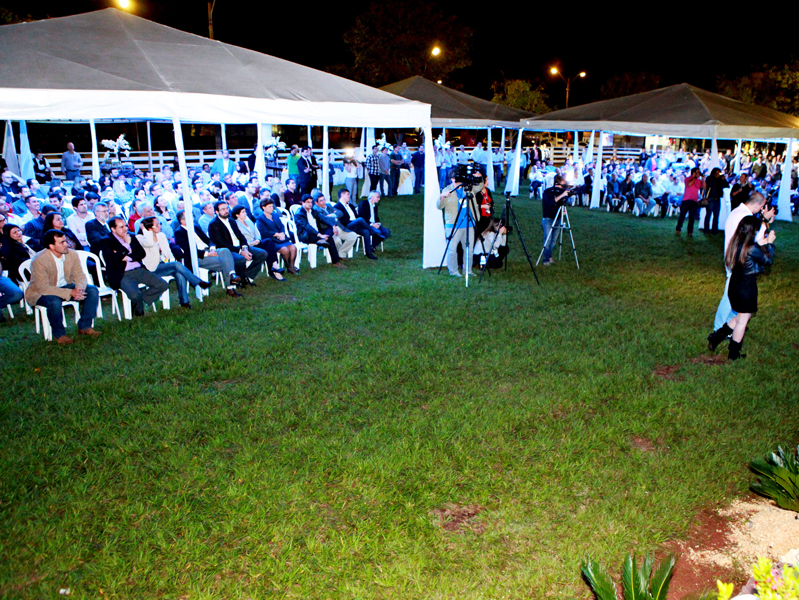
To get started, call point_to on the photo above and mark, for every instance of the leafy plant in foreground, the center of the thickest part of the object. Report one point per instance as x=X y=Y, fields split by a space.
x=771 y=583
x=638 y=583
x=779 y=478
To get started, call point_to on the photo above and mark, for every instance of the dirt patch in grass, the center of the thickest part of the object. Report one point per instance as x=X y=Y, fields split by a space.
x=642 y=444
x=724 y=543
x=710 y=359
x=458 y=518
x=667 y=372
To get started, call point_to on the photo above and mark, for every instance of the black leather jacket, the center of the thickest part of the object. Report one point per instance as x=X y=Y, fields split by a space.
x=757 y=260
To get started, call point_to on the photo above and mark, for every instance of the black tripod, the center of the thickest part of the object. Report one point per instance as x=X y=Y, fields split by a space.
x=561 y=222
x=465 y=202
x=508 y=212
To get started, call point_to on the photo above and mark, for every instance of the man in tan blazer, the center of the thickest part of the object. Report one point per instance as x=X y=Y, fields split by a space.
x=57 y=277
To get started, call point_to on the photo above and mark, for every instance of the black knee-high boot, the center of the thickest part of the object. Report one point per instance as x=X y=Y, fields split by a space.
x=718 y=336
x=735 y=350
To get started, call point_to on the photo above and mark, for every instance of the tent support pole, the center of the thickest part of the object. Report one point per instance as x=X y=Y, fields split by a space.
x=513 y=177
x=576 y=149
x=589 y=157
x=490 y=163
x=95 y=153
x=260 y=159
x=597 y=182
x=187 y=199
x=224 y=137
x=149 y=148
x=784 y=199
x=326 y=165
x=736 y=169
x=434 y=239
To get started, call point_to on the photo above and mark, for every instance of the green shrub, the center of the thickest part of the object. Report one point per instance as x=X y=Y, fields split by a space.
x=638 y=583
x=779 y=478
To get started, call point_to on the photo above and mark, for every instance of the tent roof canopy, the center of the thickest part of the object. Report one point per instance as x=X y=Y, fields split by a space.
x=110 y=64
x=451 y=108
x=679 y=110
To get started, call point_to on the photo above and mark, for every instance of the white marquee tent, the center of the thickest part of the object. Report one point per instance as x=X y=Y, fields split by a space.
x=110 y=65
x=682 y=111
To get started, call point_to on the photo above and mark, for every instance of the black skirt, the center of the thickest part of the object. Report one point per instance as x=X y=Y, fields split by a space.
x=743 y=293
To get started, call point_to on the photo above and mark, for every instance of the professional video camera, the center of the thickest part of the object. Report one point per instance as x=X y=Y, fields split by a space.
x=559 y=189
x=467 y=175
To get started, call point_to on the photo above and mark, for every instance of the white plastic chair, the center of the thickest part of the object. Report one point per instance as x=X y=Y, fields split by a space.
x=310 y=249
x=102 y=288
x=42 y=322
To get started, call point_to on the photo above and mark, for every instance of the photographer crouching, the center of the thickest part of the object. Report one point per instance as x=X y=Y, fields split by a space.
x=552 y=200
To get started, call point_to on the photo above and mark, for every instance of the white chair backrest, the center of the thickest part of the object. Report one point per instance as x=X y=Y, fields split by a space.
x=24 y=272
x=84 y=256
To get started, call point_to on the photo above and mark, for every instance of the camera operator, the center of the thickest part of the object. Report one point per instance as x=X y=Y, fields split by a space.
x=484 y=201
x=457 y=225
x=553 y=199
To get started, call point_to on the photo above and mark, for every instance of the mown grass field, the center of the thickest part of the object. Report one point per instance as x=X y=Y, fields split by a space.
x=383 y=432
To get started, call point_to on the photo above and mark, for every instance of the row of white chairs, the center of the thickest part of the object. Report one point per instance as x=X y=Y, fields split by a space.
x=287 y=217
x=40 y=313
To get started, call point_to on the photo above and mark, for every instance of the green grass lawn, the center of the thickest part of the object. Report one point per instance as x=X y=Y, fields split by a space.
x=383 y=432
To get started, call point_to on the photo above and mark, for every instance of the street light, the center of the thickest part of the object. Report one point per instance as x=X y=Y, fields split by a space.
x=436 y=51
x=556 y=71
x=124 y=3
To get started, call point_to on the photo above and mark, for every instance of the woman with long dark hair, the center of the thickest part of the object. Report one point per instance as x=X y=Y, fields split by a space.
x=15 y=251
x=746 y=259
x=56 y=221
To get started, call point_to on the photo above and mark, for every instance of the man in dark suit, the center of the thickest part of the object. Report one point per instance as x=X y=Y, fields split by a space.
x=313 y=227
x=291 y=196
x=216 y=259
x=124 y=270
x=97 y=230
x=224 y=233
x=350 y=221
x=306 y=168
x=367 y=210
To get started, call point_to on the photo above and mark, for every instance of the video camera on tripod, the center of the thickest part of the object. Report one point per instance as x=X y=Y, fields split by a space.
x=467 y=175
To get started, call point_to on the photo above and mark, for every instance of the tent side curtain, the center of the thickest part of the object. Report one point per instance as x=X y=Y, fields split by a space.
x=83 y=105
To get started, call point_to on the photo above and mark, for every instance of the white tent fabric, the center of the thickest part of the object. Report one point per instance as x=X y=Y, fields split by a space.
x=10 y=150
x=25 y=155
x=109 y=64
x=679 y=110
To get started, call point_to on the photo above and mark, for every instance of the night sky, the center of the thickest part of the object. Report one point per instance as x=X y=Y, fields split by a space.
x=681 y=44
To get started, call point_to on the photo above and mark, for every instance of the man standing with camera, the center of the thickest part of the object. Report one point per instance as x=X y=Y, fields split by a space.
x=458 y=226
x=553 y=199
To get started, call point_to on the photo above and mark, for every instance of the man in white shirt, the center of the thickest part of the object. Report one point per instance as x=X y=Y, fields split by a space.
x=77 y=221
x=480 y=158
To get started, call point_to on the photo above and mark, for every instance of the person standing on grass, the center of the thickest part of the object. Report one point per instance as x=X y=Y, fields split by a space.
x=754 y=205
x=746 y=259
x=694 y=185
